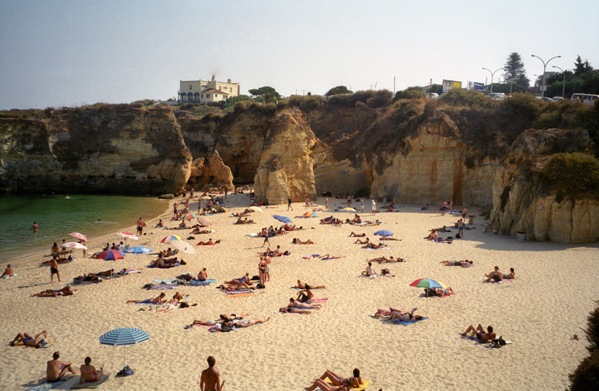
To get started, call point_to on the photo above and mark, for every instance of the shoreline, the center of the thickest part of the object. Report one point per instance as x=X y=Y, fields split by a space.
x=550 y=300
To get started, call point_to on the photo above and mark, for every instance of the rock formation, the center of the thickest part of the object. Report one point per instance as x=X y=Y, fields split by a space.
x=119 y=149
x=521 y=205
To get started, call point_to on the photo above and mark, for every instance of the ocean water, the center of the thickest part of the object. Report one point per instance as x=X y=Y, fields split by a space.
x=59 y=215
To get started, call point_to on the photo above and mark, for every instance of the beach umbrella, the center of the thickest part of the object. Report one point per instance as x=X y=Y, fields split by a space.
x=282 y=219
x=255 y=208
x=111 y=255
x=204 y=221
x=128 y=235
x=124 y=336
x=138 y=250
x=171 y=238
x=384 y=232
x=182 y=245
x=310 y=214
x=190 y=216
x=76 y=245
x=78 y=235
x=428 y=283
x=348 y=210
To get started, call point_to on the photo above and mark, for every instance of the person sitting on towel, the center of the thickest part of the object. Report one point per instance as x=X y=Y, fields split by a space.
x=89 y=373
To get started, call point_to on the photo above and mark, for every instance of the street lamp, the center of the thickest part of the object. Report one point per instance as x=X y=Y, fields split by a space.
x=564 y=84
x=492 y=73
x=543 y=86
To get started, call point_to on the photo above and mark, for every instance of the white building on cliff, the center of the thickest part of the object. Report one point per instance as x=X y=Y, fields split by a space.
x=204 y=91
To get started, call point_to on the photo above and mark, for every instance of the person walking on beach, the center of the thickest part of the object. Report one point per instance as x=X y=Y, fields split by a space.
x=289 y=203
x=35 y=227
x=140 y=226
x=362 y=206
x=373 y=207
x=210 y=378
x=326 y=203
x=54 y=269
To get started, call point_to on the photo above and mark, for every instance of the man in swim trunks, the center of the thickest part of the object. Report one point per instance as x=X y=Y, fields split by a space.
x=481 y=335
x=8 y=272
x=210 y=377
x=54 y=269
x=38 y=341
x=89 y=374
x=56 y=369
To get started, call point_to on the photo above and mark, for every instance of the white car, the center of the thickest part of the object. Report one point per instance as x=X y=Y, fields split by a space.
x=557 y=99
x=497 y=96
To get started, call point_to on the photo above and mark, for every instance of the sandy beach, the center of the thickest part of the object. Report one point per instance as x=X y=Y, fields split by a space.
x=539 y=312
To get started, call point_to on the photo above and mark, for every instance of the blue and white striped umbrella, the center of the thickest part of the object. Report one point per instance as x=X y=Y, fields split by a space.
x=124 y=336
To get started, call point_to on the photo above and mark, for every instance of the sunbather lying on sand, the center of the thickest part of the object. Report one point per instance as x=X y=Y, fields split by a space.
x=209 y=242
x=375 y=246
x=199 y=230
x=480 y=334
x=94 y=277
x=384 y=259
x=304 y=306
x=38 y=341
x=327 y=257
x=160 y=299
x=297 y=241
x=244 y=221
x=301 y=285
x=395 y=314
x=337 y=383
x=355 y=235
x=66 y=291
x=359 y=241
x=438 y=292
x=389 y=238
x=464 y=263
x=239 y=283
x=165 y=263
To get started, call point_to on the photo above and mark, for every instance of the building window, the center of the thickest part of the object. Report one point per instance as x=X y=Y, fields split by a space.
x=208 y=96
x=190 y=86
x=189 y=97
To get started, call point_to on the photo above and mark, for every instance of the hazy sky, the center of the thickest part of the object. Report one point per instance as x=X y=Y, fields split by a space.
x=77 y=52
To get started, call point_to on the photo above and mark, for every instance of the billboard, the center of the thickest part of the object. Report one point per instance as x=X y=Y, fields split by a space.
x=449 y=84
x=476 y=86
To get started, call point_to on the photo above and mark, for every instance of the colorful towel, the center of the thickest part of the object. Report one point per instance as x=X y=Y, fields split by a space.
x=407 y=323
x=45 y=386
x=200 y=283
x=96 y=384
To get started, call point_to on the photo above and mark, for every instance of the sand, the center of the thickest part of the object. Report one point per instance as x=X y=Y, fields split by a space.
x=539 y=312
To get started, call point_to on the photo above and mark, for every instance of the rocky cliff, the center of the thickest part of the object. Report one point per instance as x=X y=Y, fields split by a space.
x=521 y=204
x=120 y=149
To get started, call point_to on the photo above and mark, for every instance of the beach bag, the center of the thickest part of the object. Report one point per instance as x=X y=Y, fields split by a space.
x=260 y=286
x=458 y=235
x=286 y=253
x=184 y=304
x=225 y=328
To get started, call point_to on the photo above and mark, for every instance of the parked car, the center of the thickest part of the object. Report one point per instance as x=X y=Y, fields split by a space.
x=497 y=95
x=587 y=99
x=557 y=98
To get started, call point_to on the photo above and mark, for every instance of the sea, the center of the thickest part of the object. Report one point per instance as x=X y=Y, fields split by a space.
x=59 y=215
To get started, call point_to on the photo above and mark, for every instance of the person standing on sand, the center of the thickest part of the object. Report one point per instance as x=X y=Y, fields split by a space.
x=373 y=207
x=289 y=203
x=210 y=378
x=35 y=227
x=326 y=203
x=140 y=226
x=54 y=270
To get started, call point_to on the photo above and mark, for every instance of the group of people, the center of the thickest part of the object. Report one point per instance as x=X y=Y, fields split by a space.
x=497 y=275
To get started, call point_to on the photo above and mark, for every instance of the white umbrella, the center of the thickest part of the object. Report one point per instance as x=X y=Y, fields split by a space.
x=183 y=246
x=76 y=245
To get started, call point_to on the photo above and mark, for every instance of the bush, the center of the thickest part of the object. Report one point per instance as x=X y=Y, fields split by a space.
x=410 y=93
x=351 y=99
x=305 y=103
x=459 y=97
x=380 y=99
x=586 y=375
x=573 y=174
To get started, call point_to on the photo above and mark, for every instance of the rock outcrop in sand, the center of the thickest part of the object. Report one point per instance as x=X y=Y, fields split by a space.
x=523 y=208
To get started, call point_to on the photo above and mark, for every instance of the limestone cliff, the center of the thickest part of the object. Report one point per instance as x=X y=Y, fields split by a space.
x=121 y=149
x=521 y=205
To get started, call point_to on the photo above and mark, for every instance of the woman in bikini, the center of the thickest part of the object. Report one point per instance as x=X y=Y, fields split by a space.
x=89 y=374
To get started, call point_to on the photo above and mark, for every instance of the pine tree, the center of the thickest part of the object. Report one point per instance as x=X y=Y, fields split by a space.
x=514 y=70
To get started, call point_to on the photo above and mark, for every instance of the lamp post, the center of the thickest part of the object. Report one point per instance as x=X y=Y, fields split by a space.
x=543 y=87
x=492 y=73
x=564 y=83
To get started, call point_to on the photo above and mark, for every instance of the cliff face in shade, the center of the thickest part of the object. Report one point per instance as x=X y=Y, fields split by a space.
x=118 y=149
x=521 y=205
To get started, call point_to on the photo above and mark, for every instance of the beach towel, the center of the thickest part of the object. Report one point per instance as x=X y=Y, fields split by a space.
x=253 y=235
x=365 y=383
x=240 y=293
x=6 y=277
x=96 y=384
x=64 y=384
x=162 y=287
x=201 y=283
x=408 y=322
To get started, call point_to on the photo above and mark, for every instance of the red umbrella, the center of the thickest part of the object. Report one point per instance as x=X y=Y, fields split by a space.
x=79 y=236
x=111 y=255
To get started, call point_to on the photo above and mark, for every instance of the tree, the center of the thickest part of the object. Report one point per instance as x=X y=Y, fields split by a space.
x=269 y=94
x=514 y=70
x=581 y=67
x=338 y=90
